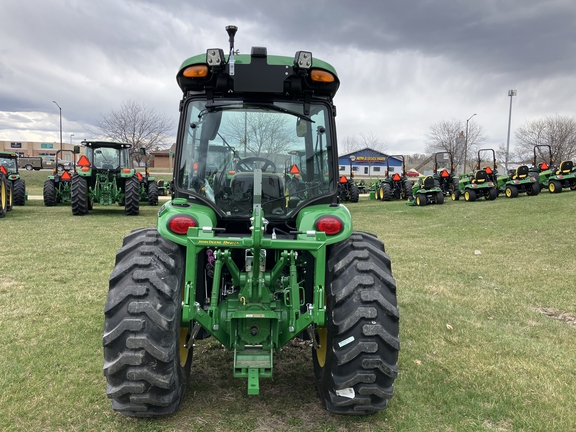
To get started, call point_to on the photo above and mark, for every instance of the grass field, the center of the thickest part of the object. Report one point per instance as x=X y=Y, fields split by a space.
x=487 y=298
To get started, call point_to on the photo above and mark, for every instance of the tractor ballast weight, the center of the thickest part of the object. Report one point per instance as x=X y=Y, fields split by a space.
x=243 y=258
x=395 y=185
x=104 y=176
x=482 y=183
x=16 y=194
x=58 y=187
x=553 y=177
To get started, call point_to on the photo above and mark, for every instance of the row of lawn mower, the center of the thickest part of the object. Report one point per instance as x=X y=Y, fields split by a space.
x=484 y=182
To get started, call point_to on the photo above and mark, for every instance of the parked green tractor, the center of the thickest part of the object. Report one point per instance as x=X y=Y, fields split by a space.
x=445 y=173
x=58 y=187
x=518 y=181
x=148 y=186
x=16 y=193
x=482 y=183
x=554 y=178
x=245 y=260
x=396 y=185
x=104 y=176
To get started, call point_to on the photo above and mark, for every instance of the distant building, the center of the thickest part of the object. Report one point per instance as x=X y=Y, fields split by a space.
x=162 y=158
x=32 y=148
x=368 y=163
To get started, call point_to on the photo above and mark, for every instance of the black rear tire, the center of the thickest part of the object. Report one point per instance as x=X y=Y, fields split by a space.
x=49 y=193
x=19 y=192
x=132 y=197
x=80 y=199
x=145 y=364
x=357 y=361
x=354 y=193
x=153 y=193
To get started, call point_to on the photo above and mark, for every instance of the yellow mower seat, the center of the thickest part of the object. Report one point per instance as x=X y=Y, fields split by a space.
x=565 y=167
x=521 y=173
x=479 y=177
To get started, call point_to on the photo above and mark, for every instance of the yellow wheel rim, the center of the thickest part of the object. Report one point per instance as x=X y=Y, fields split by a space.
x=323 y=342
x=183 y=351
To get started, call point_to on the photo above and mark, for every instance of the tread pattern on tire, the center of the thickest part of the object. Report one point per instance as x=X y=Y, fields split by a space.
x=132 y=197
x=152 y=193
x=19 y=192
x=141 y=327
x=49 y=193
x=79 y=196
x=363 y=328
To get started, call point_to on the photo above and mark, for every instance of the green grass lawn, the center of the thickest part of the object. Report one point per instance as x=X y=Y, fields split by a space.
x=487 y=298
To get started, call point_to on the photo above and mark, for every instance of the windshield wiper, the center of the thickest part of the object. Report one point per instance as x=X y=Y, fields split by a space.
x=238 y=105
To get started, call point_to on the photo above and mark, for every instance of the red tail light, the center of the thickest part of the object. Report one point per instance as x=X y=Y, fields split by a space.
x=83 y=161
x=180 y=224
x=331 y=225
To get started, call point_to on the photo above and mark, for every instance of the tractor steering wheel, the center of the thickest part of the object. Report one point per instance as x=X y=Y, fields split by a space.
x=245 y=165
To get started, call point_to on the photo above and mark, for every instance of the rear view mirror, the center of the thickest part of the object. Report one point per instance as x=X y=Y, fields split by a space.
x=76 y=149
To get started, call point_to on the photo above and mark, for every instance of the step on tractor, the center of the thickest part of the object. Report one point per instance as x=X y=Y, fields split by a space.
x=395 y=185
x=58 y=187
x=16 y=194
x=245 y=260
x=426 y=191
x=104 y=176
x=445 y=173
x=481 y=183
x=551 y=176
x=148 y=186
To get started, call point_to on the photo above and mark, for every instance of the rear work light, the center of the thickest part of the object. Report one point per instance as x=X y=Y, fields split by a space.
x=331 y=225
x=179 y=224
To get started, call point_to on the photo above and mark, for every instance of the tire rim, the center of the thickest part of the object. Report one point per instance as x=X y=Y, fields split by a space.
x=323 y=342
x=183 y=351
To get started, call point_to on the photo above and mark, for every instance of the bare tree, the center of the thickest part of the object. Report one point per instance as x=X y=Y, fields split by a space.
x=450 y=136
x=260 y=134
x=136 y=124
x=558 y=132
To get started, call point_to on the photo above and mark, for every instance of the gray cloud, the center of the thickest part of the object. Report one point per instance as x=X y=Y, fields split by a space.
x=403 y=65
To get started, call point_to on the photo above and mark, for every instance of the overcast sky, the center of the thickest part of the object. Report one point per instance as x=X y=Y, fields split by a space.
x=403 y=65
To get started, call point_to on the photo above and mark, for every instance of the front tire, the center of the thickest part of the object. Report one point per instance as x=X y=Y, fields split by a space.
x=357 y=360
x=153 y=193
x=145 y=363
x=19 y=192
x=49 y=193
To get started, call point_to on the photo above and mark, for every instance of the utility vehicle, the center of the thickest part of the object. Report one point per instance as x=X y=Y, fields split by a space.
x=246 y=260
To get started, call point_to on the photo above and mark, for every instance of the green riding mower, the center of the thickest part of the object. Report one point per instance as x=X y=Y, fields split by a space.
x=58 y=187
x=445 y=173
x=16 y=194
x=551 y=176
x=104 y=176
x=395 y=185
x=426 y=191
x=518 y=181
x=246 y=260
x=482 y=183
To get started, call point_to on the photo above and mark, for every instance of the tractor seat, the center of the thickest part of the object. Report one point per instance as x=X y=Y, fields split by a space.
x=565 y=167
x=428 y=182
x=242 y=186
x=521 y=173
x=479 y=177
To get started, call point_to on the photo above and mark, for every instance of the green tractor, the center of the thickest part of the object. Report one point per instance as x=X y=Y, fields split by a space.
x=16 y=193
x=554 y=178
x=148 y=186
x=247 y=261
x=396 y=185
x=426 y=191
x=445 y=174
x=104 y=176
x=480 y=183
x=58 y=187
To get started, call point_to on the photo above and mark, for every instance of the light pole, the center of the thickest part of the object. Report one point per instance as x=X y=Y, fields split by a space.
x=60 y=124
x=71 y=135
x=466 y=142
x=511 y=93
